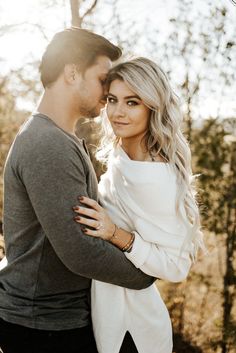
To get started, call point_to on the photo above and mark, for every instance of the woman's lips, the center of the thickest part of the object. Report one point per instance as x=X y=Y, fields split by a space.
x=118 y=123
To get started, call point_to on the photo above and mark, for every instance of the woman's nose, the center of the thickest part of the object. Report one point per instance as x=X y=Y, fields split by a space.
x=119 y=110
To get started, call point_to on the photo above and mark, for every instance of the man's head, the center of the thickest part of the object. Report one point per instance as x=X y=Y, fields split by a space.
x=83 y=58
x=74 y=46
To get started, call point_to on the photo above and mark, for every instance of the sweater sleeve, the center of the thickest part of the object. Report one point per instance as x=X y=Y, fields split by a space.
x=146 y=193
x=54 y=175
x=157 y=261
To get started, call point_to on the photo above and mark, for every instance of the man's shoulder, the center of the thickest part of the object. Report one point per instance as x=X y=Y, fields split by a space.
x=38 y=128
x=41 y=138
x=39 y=133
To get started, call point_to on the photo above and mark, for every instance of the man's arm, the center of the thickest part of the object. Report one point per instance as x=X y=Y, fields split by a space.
x=54 y=176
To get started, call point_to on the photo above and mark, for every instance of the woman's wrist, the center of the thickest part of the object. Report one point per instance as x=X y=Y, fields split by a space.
x=122 y=239
x=114 y=235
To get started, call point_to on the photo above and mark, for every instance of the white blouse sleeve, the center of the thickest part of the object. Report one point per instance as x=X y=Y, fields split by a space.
x=157 y=261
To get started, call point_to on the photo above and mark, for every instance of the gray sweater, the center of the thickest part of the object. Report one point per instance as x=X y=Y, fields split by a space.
x=46 y=284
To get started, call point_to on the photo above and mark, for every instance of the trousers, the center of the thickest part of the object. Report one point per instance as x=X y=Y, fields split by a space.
x=128 y=345
x=20 y=339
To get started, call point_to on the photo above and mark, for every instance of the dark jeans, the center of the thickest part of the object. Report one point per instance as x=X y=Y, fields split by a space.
x=20 y=339
x=128 y=345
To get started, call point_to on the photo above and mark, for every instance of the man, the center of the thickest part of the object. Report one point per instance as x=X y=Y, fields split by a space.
x=45 y=287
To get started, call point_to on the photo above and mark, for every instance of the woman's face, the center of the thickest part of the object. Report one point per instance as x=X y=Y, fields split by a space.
x=128 y=115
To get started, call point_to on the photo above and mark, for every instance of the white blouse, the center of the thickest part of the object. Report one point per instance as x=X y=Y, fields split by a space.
x=141 y=197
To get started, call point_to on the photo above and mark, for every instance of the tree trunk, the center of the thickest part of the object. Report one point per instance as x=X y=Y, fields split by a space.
x=76 y=20
x=229 y=277
x=228 y=295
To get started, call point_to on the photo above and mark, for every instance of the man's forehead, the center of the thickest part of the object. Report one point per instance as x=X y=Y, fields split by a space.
x=103 y=64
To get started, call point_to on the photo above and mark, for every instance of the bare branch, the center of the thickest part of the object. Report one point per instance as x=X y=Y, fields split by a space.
x=90 y=9
x=6 y=29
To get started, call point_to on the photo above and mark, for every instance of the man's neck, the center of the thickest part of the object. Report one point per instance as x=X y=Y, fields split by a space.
x=58 y=111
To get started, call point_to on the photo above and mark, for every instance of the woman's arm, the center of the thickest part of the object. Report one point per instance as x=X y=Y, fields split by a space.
x=159 y=262
x=150 y=258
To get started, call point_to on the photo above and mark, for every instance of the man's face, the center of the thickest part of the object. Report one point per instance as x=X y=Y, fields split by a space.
x=91 y=88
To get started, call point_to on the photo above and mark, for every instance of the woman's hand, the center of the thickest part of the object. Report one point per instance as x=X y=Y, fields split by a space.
x=98 y=219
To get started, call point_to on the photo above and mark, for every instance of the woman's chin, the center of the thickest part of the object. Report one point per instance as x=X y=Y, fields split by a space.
x=119 y=134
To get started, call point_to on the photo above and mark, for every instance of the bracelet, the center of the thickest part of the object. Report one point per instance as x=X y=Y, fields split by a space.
x=114 y=233
x=128 y=246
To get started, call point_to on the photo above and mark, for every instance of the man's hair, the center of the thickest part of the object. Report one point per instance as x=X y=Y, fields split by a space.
x=74 y=46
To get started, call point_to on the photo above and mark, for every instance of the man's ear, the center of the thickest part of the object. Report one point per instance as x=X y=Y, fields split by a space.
x=70 y=73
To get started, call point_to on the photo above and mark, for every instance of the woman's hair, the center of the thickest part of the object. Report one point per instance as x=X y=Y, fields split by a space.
x=164 y=136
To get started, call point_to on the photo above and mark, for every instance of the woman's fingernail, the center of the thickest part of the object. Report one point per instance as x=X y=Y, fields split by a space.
x=77 y=218
x=84 y=230
x=80 y=198
x=75 y=208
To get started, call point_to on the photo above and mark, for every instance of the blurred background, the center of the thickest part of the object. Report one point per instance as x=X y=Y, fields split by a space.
x=195 y=43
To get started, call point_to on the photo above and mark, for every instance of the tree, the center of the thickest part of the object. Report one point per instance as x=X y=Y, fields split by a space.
x=215 y=161
x=76 y=17
x=10 y=120
x=199 y=55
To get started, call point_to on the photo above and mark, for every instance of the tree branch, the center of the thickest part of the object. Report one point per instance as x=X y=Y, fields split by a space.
x=7 y=28
x=90 y=9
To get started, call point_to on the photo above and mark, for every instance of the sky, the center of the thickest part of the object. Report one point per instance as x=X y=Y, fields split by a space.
x=24 y=42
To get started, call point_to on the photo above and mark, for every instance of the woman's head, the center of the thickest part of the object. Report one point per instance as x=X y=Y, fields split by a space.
x=146 y=80
x=148 y=85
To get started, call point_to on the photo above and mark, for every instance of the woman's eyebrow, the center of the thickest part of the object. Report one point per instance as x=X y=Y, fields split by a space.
x=126 y=97
x=130 y=97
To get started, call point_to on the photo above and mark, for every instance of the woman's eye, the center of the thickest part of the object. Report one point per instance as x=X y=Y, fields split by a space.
x=132 y=103
x=111 y=100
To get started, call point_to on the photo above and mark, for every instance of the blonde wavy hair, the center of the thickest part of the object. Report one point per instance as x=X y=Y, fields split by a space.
x=164 y=136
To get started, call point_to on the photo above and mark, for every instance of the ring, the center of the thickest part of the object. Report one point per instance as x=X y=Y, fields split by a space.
x=99 y=226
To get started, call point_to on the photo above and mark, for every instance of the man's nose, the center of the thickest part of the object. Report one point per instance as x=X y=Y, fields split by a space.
x=103 y=100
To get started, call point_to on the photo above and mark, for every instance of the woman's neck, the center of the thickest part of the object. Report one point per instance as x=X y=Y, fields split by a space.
x=135 y=149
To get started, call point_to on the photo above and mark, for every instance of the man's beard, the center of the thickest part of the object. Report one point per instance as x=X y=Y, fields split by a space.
x=85 y=107
x=88 y=112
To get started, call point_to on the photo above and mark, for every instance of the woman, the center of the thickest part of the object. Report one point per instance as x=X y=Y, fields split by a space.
x=150 y=211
